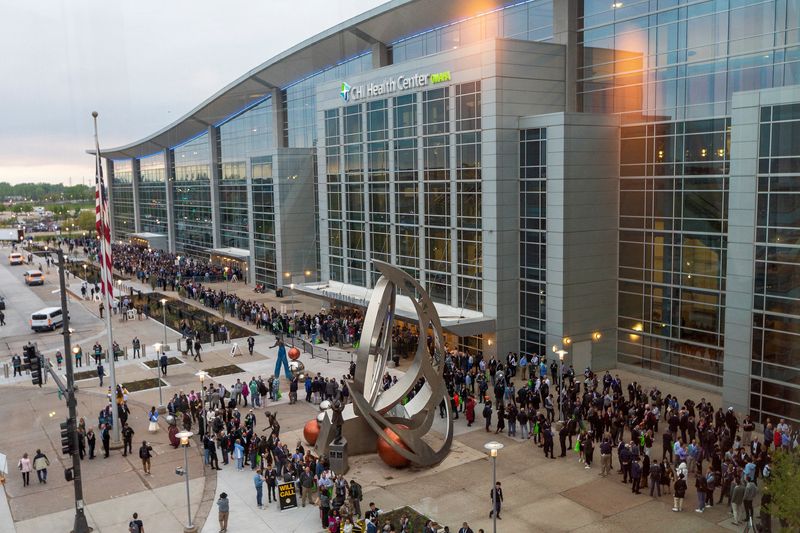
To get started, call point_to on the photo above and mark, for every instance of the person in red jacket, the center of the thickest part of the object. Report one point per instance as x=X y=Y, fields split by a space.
x=470 y=410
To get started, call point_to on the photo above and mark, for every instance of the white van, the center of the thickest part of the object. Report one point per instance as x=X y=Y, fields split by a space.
x=16 y=258
x=48 y=318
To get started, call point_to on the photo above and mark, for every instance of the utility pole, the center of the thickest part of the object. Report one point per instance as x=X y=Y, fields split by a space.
x=81 y=525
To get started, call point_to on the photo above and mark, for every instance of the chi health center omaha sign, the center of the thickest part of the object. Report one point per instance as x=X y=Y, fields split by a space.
x=351 y=93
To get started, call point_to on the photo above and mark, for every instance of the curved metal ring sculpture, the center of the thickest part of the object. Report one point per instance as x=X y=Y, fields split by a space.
x=374 y=409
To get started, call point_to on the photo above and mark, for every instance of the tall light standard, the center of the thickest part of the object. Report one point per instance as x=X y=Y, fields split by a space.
x=184 y=436
x=202 y=374
x=164 y=312
x=161 y=408
x=493 y=448
x=291 y=300
x=84 y=272
x=561 y=353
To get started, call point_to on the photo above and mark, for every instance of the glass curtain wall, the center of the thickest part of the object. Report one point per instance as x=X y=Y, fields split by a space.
x=122 y=194
x=153 y=194
x=364 y=221
x=264 y=221
x=533 y=230
x=775 y=385
x=670 y=69
x=245 y=136
x=192 y=194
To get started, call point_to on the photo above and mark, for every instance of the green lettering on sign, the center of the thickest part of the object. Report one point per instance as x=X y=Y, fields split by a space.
x=440 y=77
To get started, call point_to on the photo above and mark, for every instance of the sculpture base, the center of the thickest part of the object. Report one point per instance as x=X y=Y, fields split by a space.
x=337 y=455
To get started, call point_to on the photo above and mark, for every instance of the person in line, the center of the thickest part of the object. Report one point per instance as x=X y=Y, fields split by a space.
x=750 y=493
x=258 y=482
x=680 y=492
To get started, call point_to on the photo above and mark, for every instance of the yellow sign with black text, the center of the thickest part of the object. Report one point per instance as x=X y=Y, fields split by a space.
x=287 y=496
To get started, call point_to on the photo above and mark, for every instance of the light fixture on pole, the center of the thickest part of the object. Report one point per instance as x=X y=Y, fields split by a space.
x=164 y=313
x=561 y=353
x=184 y=437
x=291 y=300
x=202 y=374
x=493 y=447
x=161 y=408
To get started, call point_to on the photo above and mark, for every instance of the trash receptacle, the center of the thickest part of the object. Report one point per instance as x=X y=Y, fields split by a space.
x=279 y=293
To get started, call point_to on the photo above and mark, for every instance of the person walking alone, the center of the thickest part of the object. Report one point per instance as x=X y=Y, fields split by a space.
x=224 y=508
x=258 y=482
x=496 y=495
x=145 y=452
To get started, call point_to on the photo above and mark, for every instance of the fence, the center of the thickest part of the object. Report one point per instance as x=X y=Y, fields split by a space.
x=320 y=352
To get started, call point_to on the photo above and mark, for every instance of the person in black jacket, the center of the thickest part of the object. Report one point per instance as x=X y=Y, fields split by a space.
x=636 y=475
x=680 y=492
x=497 y=502
x=487 y=414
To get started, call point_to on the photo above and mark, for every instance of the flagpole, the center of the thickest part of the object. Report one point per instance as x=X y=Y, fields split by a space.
x=107 y=277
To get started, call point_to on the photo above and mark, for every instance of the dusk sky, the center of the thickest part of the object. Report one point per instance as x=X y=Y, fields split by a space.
x=140 y=64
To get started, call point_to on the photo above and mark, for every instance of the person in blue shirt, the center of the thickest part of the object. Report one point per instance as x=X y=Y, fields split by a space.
x=258 y=481
x=238 y=454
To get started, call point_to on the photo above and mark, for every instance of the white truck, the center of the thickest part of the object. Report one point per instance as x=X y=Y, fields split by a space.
x=12 y=235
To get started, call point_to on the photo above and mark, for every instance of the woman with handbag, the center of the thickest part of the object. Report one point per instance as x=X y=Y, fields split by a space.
x=25 y=467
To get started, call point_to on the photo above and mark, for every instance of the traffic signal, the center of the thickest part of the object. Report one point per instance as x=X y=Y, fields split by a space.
x=66 y=437
x=33 y=363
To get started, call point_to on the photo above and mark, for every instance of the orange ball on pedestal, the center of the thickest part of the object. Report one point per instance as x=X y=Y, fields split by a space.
x=294 y=353
x=311 y=432
x=387 y=454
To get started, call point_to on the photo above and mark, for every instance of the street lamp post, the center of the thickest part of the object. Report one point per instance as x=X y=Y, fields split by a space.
x=202 y=374
x=184 y=436
x=561 y=353
x=157 y=350
x=164 y=313
x=493 y=448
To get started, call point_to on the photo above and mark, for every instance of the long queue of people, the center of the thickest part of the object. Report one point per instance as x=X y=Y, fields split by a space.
x=717 y=448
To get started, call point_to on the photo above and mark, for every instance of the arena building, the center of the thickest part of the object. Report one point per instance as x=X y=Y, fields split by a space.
x=615 y=178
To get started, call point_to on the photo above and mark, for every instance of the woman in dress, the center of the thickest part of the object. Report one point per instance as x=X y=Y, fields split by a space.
x=153 y=417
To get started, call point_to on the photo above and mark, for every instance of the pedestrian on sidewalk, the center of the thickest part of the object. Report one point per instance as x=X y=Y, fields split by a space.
x=272 y=482
x=197 y=349
x=251 y=342
x=91 y=440
x=127 y=439
x=101 y=372
x=40 y=464
x=163 y=361
x=16 y=362
x=153 y=418
x=137 y=347
x=105 y=434
x=25 y=467
x=496 y=495
x=136 y=525
x=145 y=453
x=224 y=509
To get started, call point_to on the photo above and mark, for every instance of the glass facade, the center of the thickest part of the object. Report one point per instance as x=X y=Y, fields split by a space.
x=264 y=221
x=192 y=195
x=532 y=240
x=669 y=68
x=775 y=387
x=153 y=194
x=437 y=198
x=122 y=198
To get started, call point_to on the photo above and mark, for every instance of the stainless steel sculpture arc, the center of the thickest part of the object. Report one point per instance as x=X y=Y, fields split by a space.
x=373 y=354
x=376 y=340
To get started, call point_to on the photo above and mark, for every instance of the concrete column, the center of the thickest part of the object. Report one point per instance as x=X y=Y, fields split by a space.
x=135 y=182
x=392 y=188
x=380 y=55
x=565 y=31
x=279 y=119
x=251 y=226
x=421 y=193
x=169 y=178
x=214 y=175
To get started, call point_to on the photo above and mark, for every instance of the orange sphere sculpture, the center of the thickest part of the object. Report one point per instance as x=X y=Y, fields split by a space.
x=387 y=454
x=311 y=432
x=294 y=353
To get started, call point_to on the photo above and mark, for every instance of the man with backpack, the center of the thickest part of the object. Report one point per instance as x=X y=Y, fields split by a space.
x=145 y=452
x=136 y=525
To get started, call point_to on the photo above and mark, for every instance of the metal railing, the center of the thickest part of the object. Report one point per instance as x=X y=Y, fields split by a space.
x=318 y=351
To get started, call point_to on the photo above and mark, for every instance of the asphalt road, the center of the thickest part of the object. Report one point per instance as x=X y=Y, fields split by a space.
x=22 y=300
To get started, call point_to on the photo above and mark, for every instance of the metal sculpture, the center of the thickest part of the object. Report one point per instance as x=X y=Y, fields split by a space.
x=377 y=414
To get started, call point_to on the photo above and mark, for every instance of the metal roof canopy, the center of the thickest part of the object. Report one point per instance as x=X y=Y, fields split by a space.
x=387 y=23
x=233 y=253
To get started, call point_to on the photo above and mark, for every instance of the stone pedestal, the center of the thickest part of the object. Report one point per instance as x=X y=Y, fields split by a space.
x=337 y=454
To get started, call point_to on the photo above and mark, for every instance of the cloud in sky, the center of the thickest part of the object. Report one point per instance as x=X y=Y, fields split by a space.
x=140 y=64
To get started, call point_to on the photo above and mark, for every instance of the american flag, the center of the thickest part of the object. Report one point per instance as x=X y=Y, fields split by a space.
x=103 y=226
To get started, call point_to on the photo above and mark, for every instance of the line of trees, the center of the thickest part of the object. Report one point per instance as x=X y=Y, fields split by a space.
x=46 y=192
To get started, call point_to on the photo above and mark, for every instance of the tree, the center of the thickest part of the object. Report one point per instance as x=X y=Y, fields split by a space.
x=784 y=488
x=86 y=220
